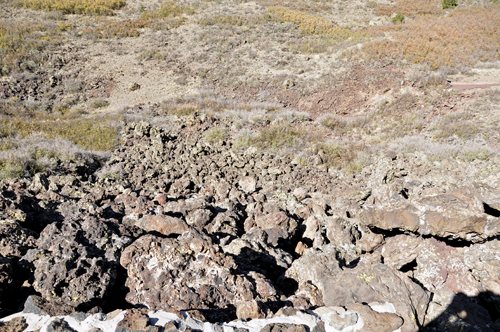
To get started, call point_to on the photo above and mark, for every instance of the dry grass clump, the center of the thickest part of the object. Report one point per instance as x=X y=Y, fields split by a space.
x=168 y=9
x=460 y=125
x=314 y=25
x=412 y=8
x=462 y=38
x=233 y=20
x=104 y=29
x=168 y=16
x=437 y=151
x=26 y=156
x=348 y=157
x=276 y=136
x=215 y=135
x=97 y=134
x=341 y=125
x=85 y=7
x=177 y=109
x=24 y=43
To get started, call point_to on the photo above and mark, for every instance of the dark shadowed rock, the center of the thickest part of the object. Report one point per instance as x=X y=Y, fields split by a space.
x=37 y=305
x=75 y=263
x=15 y=240
x=59 y=325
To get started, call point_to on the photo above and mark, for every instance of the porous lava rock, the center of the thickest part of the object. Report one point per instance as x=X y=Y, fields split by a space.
x=188 y=272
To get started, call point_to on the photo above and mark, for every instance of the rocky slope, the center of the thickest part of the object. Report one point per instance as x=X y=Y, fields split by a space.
x=191 y=235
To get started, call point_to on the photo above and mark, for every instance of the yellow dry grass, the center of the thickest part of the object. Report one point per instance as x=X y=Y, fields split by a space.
x=412 y=8
x=314 y=25
x=462 y=38
x=86 y=7
x=21 y=42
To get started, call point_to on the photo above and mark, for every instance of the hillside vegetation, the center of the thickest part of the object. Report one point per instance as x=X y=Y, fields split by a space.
x=364 y=75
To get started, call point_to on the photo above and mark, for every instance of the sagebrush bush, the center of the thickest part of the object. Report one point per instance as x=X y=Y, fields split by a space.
x=276 y=136
x=399 y=18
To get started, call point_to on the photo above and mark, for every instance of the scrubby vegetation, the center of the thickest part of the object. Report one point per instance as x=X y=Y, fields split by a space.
x=314 y=25
x=441 y=42
x=86 y=7
x=95 y=133
x=367 y=83
x=22 y=44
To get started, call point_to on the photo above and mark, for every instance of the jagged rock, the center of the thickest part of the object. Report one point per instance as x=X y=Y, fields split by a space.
x=284 y=327
x=439 y=265
x=37 y=305
x=278 y=226
x=184 y=273
x=484 y=263
x=436 y=264
x=376 y=321
x=163 y=224
x=59 y=325
x=253 y=253
x=452 y=215
x=17 y=324
x=75 y=263
x=246 y=310
x=315 y=267
x=367 y=282
x=39 y=183
x=136 y=321
x=15 y=240
x=199 y=218
x=400 y=250
x=248 y=184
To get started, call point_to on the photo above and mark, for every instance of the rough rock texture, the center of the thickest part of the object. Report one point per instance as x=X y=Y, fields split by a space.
x=364 y=283
x=14 y=325
x=284 y=328
x=59 y=325
x=188 y=272
x=171 y=221
x=376 y=321
x=136 y=321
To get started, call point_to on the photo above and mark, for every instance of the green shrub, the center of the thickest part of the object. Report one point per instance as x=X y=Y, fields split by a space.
x=399 y=18
x=449 y=4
